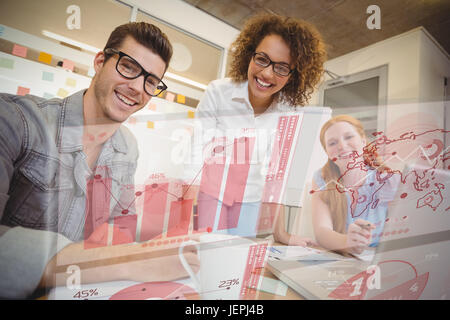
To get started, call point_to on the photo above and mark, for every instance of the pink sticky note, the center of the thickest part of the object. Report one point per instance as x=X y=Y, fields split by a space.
x=19 y=51
x=21 y=91
x=67 y=64
x=170 y=96
x=152 y=106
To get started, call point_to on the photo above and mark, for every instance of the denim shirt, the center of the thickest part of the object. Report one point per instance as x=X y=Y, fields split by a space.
x=45 y=183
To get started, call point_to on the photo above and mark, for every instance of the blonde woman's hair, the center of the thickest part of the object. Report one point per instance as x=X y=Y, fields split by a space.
x=334 y=197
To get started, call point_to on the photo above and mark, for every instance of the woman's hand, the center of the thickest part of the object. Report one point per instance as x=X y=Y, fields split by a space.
x=359 y=235
x=301 y=241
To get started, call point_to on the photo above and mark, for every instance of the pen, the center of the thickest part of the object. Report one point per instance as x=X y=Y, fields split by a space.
x=365 y=226
x=275 y=250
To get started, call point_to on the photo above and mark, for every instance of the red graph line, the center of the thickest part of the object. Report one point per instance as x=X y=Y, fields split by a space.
x=402 y=261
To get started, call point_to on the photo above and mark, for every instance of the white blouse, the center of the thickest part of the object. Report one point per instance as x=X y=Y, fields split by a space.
x=225 y=112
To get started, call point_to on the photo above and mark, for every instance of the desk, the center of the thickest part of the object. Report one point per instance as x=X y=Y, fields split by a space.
x=260 y=295
x=290 y=294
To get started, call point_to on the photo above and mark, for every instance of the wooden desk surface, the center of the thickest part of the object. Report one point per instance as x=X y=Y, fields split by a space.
x=290 y=294
x=261 y=295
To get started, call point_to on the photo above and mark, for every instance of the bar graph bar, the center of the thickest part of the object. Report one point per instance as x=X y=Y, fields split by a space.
x=155 y=202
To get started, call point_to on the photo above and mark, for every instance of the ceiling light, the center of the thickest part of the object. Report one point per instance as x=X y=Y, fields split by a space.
x=70 y=41
x=185 y=80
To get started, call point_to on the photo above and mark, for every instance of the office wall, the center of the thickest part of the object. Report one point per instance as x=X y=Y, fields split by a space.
x=434 y=67
x=402 y=55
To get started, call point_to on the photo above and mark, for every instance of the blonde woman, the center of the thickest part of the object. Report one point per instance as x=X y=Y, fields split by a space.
x=351 y=192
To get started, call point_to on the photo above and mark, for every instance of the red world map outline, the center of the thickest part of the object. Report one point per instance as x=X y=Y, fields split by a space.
x=422 y=181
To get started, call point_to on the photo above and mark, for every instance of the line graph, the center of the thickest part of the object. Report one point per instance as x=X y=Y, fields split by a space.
x=155 y=199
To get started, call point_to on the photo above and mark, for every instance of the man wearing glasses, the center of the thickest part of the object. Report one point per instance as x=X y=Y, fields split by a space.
x=55 y=153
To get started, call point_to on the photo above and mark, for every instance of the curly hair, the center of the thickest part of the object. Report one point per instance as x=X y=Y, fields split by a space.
x=306 y=48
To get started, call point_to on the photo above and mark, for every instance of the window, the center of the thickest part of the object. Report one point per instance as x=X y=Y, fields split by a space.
x=193 y=58
x=362 y=95
x=97 y=18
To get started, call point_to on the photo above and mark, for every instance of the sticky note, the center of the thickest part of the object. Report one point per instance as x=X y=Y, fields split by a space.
x=6 y=63
x=62 y=93
x=48 y=95
x=47 y=76
x=71 y=82
x=191 y=114
x=2 y=29
x=150 y=124
x=21 y=91
x=19 y=51
x=67 y=64
x=45 y=57
x=181 y=98
x=170 y=96
x=152 y=106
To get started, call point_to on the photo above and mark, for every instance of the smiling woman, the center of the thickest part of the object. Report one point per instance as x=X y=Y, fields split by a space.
x=276 y=64
x=350 y=196
x=301 y=45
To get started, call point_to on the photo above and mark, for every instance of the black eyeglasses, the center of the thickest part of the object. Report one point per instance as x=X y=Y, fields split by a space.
x=280 y=68
x=129 y=68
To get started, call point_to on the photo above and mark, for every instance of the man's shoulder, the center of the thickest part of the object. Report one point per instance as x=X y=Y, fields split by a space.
x=26 y=105
x=127 y=134
x=27 y=100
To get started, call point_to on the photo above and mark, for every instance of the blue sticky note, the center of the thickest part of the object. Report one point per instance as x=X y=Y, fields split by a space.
x=47 y=76
x=6 y=63
x=48 y=95
x=2 y=28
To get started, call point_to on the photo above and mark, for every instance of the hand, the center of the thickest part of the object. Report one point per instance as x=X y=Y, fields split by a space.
x=359 y=235
x=153 y=265
x=162 y=267
x=301 y=241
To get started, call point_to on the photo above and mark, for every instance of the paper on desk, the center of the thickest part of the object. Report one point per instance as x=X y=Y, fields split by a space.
x=367 y=255
x=98 y=291
x=272 y=286
x=299 y=253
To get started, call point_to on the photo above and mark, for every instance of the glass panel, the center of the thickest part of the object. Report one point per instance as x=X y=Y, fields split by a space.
x=97 y=18
x=193 y=58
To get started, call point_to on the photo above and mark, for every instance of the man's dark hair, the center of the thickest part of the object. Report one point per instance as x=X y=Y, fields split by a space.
x=149 y=35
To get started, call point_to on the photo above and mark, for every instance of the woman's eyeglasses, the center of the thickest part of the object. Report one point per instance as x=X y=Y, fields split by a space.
x=280 y=68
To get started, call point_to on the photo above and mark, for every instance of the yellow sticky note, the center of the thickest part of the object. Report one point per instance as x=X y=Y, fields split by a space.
x=45 y=57
x=62 y=93
x=191 y=114
x=181 y=98
x=71 y=82
x=150 y=124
